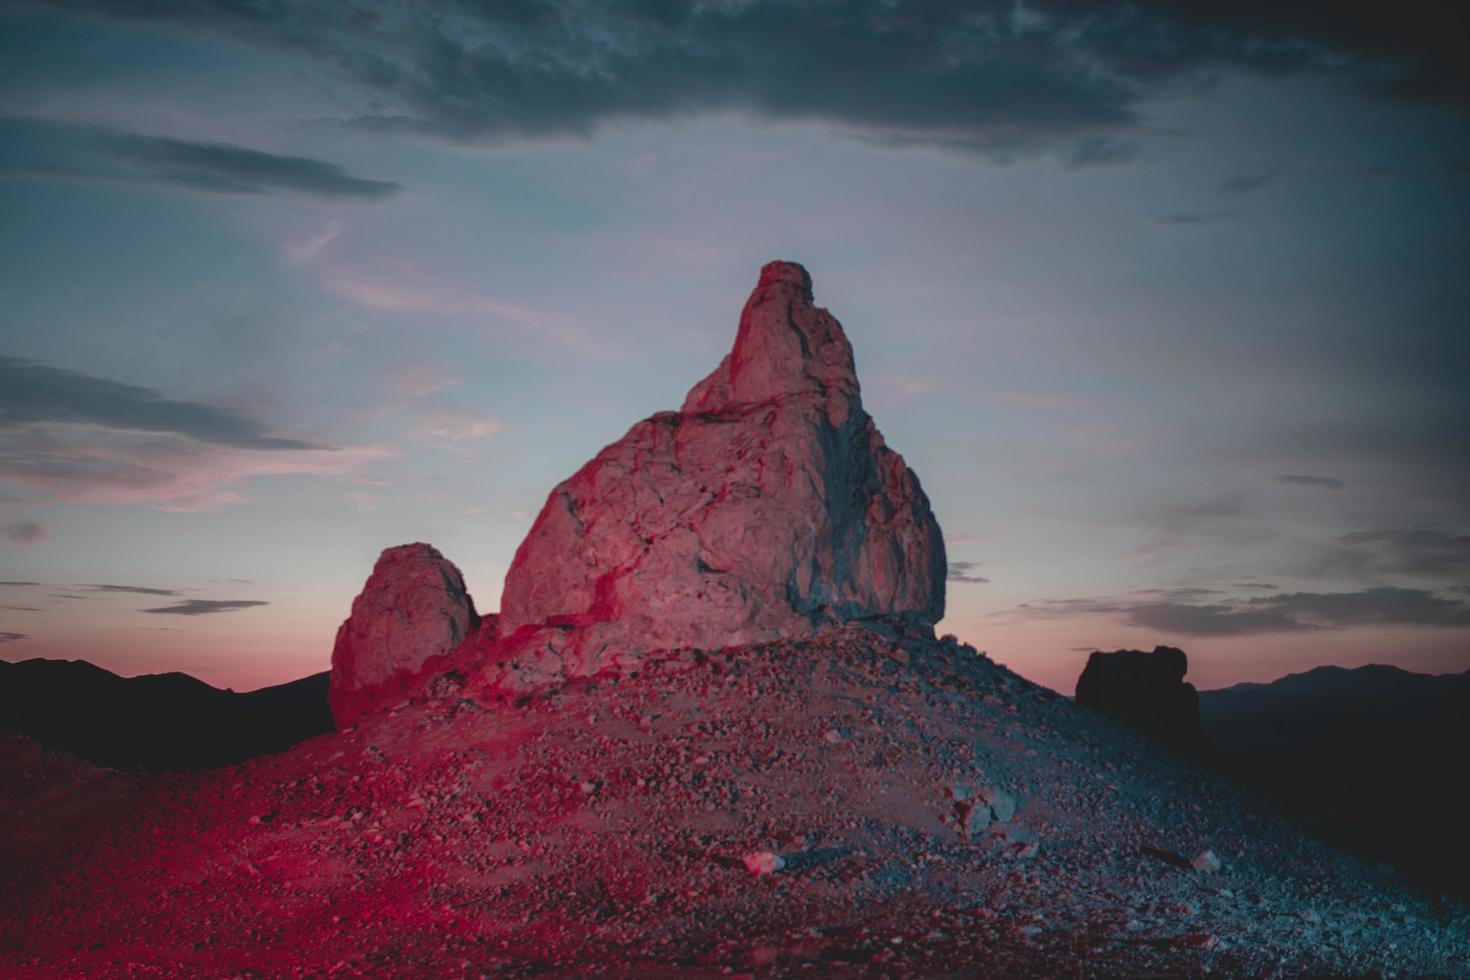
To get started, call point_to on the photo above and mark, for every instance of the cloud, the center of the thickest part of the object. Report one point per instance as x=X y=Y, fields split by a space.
x=31 y=392
x=1243 y=183
x=203 y=607
x=1209 y=620
x=25 y=532
x=72 y=437
x=1305 y=480
x=54 y=149
x=447 y=429
x=1102 y=151
x=1259 y=586
x=1280 y=613
x=1409 y=551
x=133 y=589
x=21 y=608
x=17 y=582
x=13 y=637
x=990 y=77
x=960 y=571
x=1203 y=217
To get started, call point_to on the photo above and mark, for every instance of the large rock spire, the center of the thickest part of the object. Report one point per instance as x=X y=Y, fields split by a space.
x=768 y=507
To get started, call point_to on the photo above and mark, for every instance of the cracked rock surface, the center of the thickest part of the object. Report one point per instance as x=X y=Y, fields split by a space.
x=768 y=507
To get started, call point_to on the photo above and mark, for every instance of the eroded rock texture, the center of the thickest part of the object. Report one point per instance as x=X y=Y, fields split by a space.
x=1145 y=690
x=410 y=616
x=768 y=507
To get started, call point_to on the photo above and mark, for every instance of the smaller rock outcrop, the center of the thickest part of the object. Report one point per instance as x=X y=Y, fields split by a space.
x=412 y=614
x=1146 y=691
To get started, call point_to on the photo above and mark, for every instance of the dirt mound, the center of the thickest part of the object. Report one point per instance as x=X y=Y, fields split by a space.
x=776 y=809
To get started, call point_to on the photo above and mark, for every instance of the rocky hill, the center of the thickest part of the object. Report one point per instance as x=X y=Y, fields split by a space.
x=711 y=732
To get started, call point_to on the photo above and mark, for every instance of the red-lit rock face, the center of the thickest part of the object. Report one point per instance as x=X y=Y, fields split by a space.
x=768 y=507
x=412 y=613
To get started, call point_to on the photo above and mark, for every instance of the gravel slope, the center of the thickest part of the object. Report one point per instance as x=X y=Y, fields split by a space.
x=612 y=825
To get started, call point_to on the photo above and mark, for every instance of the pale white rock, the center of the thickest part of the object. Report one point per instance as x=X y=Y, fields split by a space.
x=1206 y=861
x=768 y=508
x=411 y=615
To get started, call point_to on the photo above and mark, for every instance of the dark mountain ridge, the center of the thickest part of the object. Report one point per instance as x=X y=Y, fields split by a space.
x=160 y=722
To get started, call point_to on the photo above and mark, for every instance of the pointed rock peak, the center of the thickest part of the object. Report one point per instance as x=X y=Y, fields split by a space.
x=788 y=272
x=413 y=612
x=768 y=508
x=785 y=346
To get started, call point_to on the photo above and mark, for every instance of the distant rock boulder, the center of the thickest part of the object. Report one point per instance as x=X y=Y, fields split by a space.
x=1146 y=691
x=412 y=614
x=769 y=507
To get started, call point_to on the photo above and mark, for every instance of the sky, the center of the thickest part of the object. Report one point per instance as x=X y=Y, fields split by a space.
x=1166 y=306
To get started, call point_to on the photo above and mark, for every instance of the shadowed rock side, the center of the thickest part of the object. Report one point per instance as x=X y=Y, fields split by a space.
x=411 y=615
x=1146 y=691
x=768 y=507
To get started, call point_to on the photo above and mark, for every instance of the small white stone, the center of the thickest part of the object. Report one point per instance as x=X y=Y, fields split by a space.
x=1206 y=861
x=764 y=862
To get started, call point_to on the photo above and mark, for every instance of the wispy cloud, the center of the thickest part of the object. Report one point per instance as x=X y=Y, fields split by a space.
x=41 y=148
x=1406 y=551
x=1175 y=611
x=451 y=430
x=25 y=532
x=132 y=589
x=73 y=437
x=204 y=607
x=1307 y=480
x=21 y=608
x=32 y=393
x=963 y=571
x=13 y=637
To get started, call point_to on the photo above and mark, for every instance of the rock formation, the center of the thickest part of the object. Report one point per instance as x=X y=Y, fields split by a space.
x=768 y=507
x=1144 y=690
x=410 y=616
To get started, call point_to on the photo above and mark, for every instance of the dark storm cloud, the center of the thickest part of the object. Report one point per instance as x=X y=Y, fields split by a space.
x=133 y=589
x=43 y=148
x=992 y=77
x=25 y=532
x=1307 y=480
x=202 y=607
x=36 y=393
x=1281 y=613
x=1243 y=183
x=12 y=637
x=962 y=571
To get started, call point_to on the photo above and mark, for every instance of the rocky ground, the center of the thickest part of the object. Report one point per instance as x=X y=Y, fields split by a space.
x=858 y=803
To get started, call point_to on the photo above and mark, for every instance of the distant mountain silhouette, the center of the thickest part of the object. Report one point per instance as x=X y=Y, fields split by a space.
x=164 y=722
x=1372 y=713
x=1372 y=758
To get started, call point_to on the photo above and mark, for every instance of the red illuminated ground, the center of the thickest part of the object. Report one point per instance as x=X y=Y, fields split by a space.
x=603 y=827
